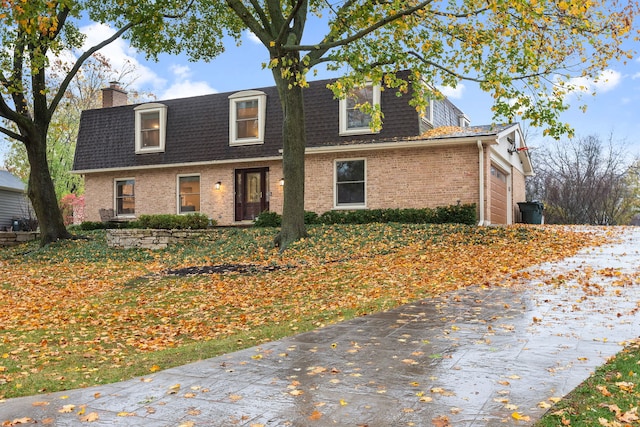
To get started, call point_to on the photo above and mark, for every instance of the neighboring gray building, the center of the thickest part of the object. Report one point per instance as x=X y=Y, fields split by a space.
x=13 y=200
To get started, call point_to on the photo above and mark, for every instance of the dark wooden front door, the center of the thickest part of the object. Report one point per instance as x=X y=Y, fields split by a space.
x=251 y=193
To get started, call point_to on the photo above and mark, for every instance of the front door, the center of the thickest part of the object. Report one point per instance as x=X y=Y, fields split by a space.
x=251 y=193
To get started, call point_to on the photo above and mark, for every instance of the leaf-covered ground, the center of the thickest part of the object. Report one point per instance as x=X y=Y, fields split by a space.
x=77 y=313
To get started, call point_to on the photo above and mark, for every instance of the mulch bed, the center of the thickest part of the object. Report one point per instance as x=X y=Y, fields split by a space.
x=224 y=268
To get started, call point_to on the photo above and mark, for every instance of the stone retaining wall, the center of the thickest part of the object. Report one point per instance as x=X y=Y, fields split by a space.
x=10 y=238
x=148 y=238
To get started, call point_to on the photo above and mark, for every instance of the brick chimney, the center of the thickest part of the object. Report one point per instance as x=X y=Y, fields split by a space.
x=113 y=96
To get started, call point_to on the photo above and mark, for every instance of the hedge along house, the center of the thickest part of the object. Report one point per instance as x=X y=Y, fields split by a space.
x=221 y=155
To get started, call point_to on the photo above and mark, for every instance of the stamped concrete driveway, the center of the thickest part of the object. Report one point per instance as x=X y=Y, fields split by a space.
x=476 y=357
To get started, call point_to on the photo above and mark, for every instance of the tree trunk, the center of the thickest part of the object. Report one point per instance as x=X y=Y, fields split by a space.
x=293 y=144
x=42 y=192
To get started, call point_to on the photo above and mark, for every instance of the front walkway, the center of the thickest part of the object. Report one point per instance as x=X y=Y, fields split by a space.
x=478 y=357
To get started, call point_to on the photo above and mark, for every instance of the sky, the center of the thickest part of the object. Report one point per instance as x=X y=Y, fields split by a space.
x=615 y=110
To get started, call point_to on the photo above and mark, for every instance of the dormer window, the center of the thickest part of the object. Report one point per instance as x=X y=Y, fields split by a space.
x=247 y=114
x=151 y=124
x=353 y=121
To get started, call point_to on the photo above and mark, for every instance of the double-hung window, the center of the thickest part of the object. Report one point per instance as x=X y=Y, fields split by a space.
x=151 y=123
x=188 y=193
x=353 y=121
x=350 y=183
x=247 y=114
x=125 y=196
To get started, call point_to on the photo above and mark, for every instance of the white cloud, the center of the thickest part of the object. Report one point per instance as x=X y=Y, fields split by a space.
x=120 y=53
x=608 y=80
x=452 y=93
x=636 y=76
x=186 y=89
x=181 y=71
x=252 y=37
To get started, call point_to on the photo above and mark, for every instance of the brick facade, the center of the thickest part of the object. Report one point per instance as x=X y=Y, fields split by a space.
x=398 y=178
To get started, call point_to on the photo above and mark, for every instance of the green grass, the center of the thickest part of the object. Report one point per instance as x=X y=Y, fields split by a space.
x=610 y=397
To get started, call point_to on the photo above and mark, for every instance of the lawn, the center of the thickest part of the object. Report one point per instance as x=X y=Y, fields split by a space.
x=77 y=313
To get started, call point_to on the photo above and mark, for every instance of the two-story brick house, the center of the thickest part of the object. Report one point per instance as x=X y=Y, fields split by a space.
x=221 y=155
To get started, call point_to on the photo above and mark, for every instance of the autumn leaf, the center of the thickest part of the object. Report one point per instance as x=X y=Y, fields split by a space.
x=315 y=415
x=174 y=389
x=67 y=409
x=519 y=417
x=441 y=421
x=90 y=417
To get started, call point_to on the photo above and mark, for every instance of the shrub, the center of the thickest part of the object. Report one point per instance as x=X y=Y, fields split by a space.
x=268 y=219
x=462 y=214
x=175 y=222
x=311 y=218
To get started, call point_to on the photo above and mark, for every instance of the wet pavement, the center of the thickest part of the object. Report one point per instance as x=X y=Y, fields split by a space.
x=476 y=357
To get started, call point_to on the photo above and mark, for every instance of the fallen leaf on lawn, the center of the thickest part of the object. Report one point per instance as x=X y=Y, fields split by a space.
x=625 y=386
x=296 y=392
x=603 y=390
x=544 y=405
x=189 y=395
x=235 y=397
x=504 y=383
x=520 y=417
x=343 y=402
x=315 y=415
x=90 y=417
x=409 y=361
x=426 y=399
x=514 y=377
x=154 y=368
x=82 y=409
x=511 y=407
x=187 y=424
x=629 y=416
x=96 y=395
x=194 y=412
x=555 y=399
x=256 y=425
x=126 y=414
x=455 y=410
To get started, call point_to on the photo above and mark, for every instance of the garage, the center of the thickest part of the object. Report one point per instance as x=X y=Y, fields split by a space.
x=498 y=196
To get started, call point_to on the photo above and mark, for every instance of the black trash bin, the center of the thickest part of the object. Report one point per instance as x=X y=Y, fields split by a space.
x=531 y=212
x=16 y=225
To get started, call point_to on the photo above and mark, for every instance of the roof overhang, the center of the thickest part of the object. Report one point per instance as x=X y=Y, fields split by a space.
x=177 y=165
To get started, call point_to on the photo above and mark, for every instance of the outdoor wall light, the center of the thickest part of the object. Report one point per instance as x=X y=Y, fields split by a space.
x=218 y=185
x=281 y=182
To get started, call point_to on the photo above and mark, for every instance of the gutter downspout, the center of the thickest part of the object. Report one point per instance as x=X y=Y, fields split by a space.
x=481 y=192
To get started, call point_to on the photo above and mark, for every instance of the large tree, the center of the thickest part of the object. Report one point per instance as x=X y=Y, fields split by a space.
x=524 y=52
x=83 y=93
x=32 y=33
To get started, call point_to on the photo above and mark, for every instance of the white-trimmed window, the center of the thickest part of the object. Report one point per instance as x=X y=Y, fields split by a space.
x=247 y=114
x=151 y=125
x=188 y=193
x=352 y=120
x=427 y=117
x=350 y=183
x=125 y=196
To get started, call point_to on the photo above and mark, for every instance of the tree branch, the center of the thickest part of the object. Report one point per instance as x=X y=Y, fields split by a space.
x=86 y=55
x=10 y=133
x=322 y=48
